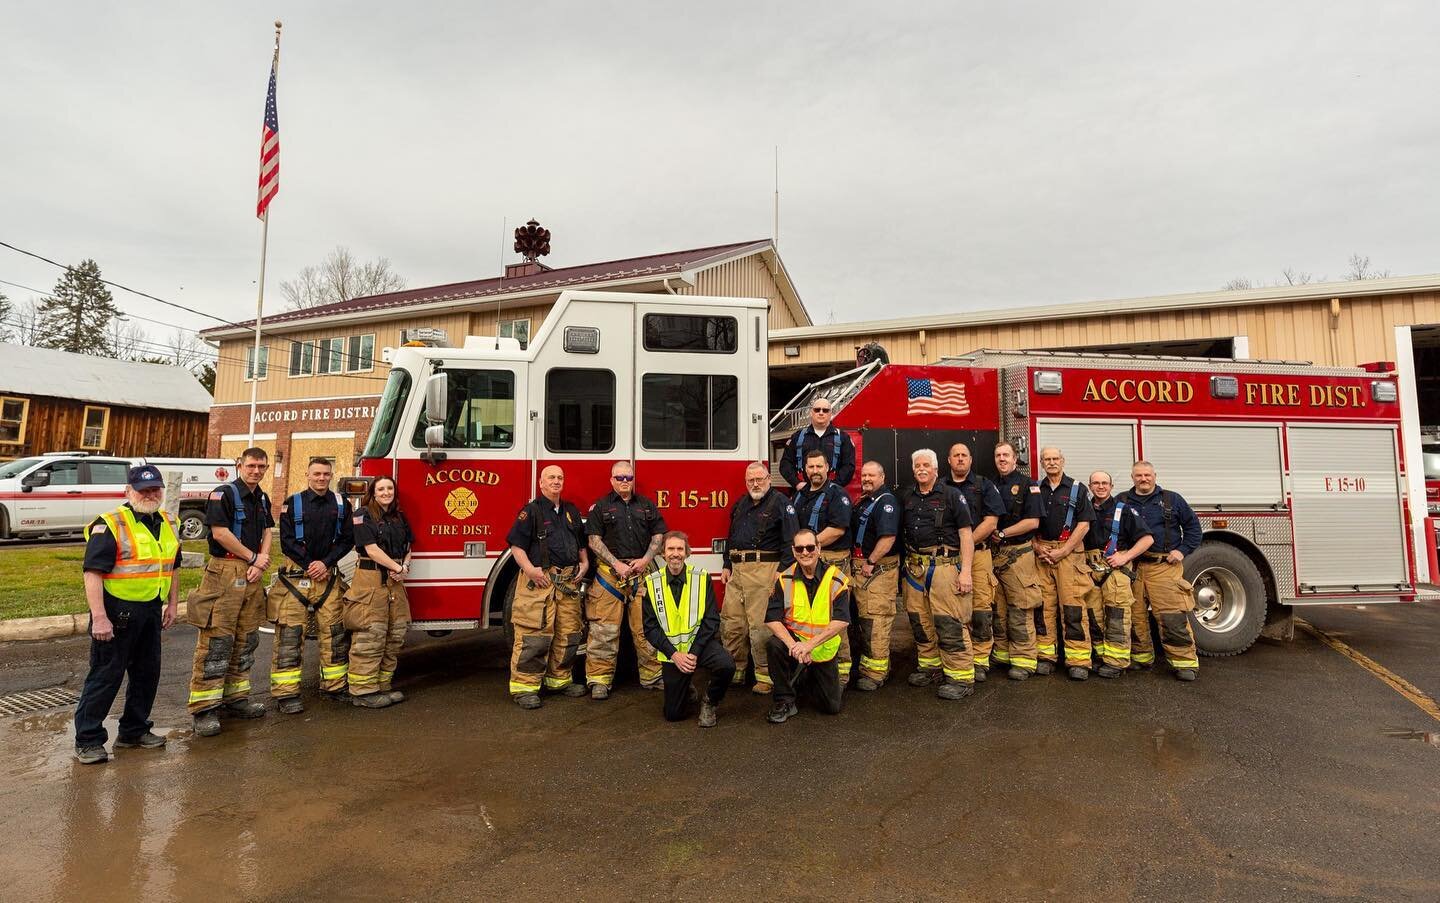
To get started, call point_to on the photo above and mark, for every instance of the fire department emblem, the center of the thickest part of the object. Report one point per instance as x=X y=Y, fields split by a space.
x=461 y=503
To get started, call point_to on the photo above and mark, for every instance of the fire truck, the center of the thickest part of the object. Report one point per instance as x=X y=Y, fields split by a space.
x=1295 y=471
x=676 y=384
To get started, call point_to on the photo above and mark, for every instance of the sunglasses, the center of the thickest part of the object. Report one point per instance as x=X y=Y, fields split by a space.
x=806 y=549
x=821 y=410
x=624 y=478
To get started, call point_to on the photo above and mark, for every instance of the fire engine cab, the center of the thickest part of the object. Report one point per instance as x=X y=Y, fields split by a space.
x=676 y=384
x=1295 y=471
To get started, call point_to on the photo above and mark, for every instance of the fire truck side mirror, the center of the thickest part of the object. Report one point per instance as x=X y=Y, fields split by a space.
x=435 y=436
x=436 y=392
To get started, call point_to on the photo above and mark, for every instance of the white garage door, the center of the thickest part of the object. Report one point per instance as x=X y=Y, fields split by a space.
x=1345 y=487
x=1089 y=446
x=1222 y=465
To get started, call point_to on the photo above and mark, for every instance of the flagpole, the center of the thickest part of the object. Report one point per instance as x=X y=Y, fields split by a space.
x=260 y=295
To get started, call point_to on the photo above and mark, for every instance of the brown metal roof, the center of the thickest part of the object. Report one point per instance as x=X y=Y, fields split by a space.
x=563 y=277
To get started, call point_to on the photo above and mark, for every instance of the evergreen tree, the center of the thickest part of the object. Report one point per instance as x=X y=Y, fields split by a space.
x=75 y=317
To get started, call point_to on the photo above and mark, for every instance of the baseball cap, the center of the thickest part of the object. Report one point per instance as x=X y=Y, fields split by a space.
x=145 y=477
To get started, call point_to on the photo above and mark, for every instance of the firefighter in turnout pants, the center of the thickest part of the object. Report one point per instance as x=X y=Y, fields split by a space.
x=1117 y=537
x=808 y=613
x=229 y=604
x=1017 y=588
x=875 y=573
x=548 y=542
x=682 y=623
x=762 y=524
x=938 y=580
x=625 y=530
x=986 y=510
x=824 y=508
x=820 y=436
x=315 y=533
x=1160 y=579
x=377 y=609
x=1065 y=581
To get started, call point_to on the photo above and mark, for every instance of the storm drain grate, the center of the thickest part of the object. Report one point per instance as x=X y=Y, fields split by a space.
x=36 y=700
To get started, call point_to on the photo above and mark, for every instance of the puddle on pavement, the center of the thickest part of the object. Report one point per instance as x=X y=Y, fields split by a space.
x=1429 y=738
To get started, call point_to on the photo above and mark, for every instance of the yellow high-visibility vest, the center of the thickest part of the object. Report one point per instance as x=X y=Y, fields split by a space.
x=679 y=618
x=144 y=564
x=807 y=618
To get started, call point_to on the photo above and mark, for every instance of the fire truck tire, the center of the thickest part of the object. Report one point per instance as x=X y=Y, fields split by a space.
x=1229 y=599
x=505 y=624
x=192 y=524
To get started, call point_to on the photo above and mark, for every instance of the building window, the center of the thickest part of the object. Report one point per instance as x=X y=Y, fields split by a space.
x=690 y=332
x=689 y=411
x=519 y=330
x=12 y=419
x=250 y=362
x=361 y=356
x=96 y=422
x=481 y=410
x=302 y=358
x=579 y=410
x=332 y=355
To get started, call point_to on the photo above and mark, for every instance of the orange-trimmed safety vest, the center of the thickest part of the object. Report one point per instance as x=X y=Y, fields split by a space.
x=806 y=618
x=144 y=564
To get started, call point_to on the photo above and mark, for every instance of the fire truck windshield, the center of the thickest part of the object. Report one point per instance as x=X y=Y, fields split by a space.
x=387 y=419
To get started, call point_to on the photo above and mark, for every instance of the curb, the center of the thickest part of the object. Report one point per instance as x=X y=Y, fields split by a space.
x=55 y=627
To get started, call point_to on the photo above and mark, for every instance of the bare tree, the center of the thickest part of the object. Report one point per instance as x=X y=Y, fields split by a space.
x=1237 y=285
x=1295 y=277
x=27 y=323
x=340 y=277
x=126 y=340
x=1360 y=269
x=185 y=349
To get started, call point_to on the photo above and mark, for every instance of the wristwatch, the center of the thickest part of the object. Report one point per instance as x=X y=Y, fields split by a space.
x=1000 y=535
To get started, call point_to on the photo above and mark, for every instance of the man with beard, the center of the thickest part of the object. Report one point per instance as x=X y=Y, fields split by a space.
x=823 y=507
x=875 y=573
x=986 y=509
x=762 y=523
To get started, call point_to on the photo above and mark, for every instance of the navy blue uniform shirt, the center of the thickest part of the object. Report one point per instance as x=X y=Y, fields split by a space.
x=626 y=528
x=551 y=538
x=1183 y=530
x=767 y=525
x=320 y=515
x=842 y=467
x=220 y=512
x=1056 y=505
x=934 y=518
x=880 y=512
x=828 y=506
x=1021 y=498
x=1130 y=526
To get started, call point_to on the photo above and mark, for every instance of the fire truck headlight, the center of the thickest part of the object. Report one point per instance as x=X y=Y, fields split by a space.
x=1224 y=387
x=1048 y=382
x=1383 y=391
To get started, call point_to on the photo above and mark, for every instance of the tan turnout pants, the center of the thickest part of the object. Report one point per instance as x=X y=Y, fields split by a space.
x=228 y=612
x=548 y=624
x=1064 y=587
x=875 y=613
x=1017 y=597
x=1162 y=586
x=290 y=615
x=982 y=615
x=843 y=662
x=603 y=613
x=742 y=617
x=939 y=617
x=1110 y=603
x=377 y=614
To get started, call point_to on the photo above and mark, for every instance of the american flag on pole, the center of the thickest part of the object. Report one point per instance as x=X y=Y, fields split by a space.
x=269 y=146
x=935 y=396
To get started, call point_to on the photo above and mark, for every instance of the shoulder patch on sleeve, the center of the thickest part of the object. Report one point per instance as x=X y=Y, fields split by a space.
x=889 y=509
x=1035 y=489
x=524 y=515
x=284 y=509
x=216 y=496
x=789 y=509
x=358 y=519
x=98 y=528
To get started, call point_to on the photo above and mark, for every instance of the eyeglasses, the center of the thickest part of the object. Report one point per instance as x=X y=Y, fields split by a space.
x=821 y=410
x=804 y=549
x=624 y=478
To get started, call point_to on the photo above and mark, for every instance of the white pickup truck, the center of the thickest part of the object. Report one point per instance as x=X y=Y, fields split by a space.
x=62 y=492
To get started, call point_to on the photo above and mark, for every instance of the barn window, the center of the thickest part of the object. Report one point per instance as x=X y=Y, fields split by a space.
x=97 y=420
x=12 y=419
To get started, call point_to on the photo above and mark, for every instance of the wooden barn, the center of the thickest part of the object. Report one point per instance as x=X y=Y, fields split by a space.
x=58 y=401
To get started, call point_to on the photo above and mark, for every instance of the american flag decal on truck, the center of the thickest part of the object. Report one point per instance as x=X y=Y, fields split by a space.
x=935 y=396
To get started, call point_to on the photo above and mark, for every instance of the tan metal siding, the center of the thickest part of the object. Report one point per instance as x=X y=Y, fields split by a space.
x=747 y=277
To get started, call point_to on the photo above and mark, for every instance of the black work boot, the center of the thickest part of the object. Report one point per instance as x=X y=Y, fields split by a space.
x=1186 y=674
x=867 y=685
x=982 y=673
x=781 y=711
x=244 y=708
x=528 y=701
x=372 y=701
x=1109 y=672
x=1078 y=673
x=291 y=705
x=91 y=755
x=396 y=697
x=147 y=740
x=707 y=714
x=207 y=724
x=925 y=677
x=954 y=689
x=1019 y=673
x=574 y=691
x=599 y=691
x=1043 y=668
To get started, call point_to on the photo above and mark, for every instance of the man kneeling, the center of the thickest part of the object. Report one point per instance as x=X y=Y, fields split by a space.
x=809 y=610
x=682 y=622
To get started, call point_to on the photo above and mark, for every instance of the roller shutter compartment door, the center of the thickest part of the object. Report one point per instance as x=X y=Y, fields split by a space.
x=1345 y=489
x=1219 y=465
x=1089 y=446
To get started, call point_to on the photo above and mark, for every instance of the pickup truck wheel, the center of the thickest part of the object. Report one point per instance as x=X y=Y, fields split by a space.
x=192 y=524
x=1229 y=599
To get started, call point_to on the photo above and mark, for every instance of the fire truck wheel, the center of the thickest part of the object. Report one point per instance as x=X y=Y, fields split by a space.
x=192 y=524
x=509 y=628
x=1229 y=599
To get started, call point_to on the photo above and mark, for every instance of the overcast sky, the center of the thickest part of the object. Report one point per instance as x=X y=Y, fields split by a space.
x=933 y=157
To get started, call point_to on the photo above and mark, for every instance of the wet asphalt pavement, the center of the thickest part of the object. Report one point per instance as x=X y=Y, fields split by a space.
x=1271 y=778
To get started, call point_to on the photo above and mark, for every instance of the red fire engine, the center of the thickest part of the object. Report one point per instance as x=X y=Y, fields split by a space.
x=675 y=383
x=1296 y=471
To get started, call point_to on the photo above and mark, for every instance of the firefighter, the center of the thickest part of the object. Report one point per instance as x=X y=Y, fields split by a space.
x=315 y=533
x=824 y=507
x=625 y=531
x=229 y=604
x=131 y=554
x=820 y=435
x=547 y=540
x=682 y=623
x=1117 y=537
x=762 y=524
x=1017 y=587
x=985 y=508
x=808 y=613
x=377 y=609
x=938 y=578
x=875 y=573
x=1060 y=563
x=1160 y=577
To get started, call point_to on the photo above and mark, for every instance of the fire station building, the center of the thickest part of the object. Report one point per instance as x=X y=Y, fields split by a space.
x=320 y=371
